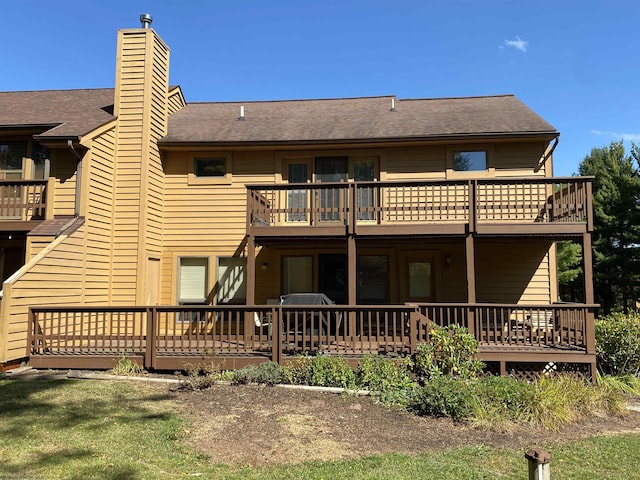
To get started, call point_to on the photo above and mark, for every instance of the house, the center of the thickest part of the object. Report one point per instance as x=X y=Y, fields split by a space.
x=134 y=222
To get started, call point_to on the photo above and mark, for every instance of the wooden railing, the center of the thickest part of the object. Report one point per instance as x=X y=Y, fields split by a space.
x=165 y=337
x=563 y=326
x=22 y=200
x=477 y=201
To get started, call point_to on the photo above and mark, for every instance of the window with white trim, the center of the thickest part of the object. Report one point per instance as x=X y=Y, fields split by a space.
x=193 y=273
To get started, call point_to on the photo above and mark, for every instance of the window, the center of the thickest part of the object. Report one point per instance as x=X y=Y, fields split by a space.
x=232 y=280
x=193 y=274
x=297 y=274
x=297 y=199
x=365 y=171
x=470 y=161
x=40 y=156
x=420 y=281
x=373 y=279
x=210 y=167
x=11 y=157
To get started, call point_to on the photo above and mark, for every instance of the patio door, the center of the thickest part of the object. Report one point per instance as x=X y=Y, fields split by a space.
x=332 y=276
x=331 y=201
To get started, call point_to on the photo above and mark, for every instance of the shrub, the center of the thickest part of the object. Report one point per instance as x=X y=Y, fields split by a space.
x=205 y=372
x=381 y=374
x=323 y=371
x=618 y=344
x=445 y=397
x=450 y=351
x=268 y=373
x=500 y=403
x=126 y=367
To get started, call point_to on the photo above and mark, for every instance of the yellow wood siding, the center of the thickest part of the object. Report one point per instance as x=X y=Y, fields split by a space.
x=415 y=163
x=499 y=281
x=206 y=220
x=175 y=102
x=99 y=218
x=55 y=277
x=142 y=109
x=514 y=159
x=63 y=169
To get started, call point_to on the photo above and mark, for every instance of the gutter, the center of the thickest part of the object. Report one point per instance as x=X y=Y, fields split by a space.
x=547 y=155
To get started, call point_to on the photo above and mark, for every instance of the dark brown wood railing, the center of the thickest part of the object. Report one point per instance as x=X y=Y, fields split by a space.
x=167 y=336
x=565 y=326
x=23 y=200
x=477 y=201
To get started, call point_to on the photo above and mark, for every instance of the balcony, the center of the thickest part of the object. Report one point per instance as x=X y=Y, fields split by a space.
x=22 y=202
x=509 y=206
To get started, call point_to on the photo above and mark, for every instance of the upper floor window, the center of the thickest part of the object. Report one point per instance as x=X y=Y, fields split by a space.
x=213 y=169
x=11 y=157
x=210 y=167
x=470 y=161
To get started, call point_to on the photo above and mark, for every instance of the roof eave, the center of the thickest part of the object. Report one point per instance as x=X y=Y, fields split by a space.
x=547 y=135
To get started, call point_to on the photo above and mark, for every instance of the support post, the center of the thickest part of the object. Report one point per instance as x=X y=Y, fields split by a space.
x=150 y=349
x=471 y=281
x=538 y=461
x=351 y=272
x=589 y=299
x=249 y=321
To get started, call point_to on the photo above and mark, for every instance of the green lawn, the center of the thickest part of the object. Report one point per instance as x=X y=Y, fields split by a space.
x=119 y=430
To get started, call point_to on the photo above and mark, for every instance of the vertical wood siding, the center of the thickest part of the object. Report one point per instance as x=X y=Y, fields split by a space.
x=142 y=109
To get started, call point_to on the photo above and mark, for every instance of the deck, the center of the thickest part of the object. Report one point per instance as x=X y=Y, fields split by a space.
x=22 y=203
x=168 y=337
x=493 y=206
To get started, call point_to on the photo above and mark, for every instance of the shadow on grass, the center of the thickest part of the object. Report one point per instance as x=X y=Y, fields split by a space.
x=73 y=418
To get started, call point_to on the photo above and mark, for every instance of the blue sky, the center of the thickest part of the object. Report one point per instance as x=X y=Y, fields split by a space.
x=576 y=63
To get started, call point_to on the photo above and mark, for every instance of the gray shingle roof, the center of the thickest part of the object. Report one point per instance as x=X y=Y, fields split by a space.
x=352 y=119
x=66 y=113
x=73 y=113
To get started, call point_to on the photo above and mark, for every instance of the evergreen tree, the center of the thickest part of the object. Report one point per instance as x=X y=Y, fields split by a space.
x=616 y=235
x=570 y=277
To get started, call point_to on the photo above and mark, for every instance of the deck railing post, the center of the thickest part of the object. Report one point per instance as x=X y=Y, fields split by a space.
x=150 y=348
x=352 y=208
x=30 y=332
x=276 y=334
x=413 y=330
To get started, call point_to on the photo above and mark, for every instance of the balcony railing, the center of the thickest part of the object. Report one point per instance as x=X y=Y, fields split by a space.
x=479 y=203
x=165 y=337
x=22 y=200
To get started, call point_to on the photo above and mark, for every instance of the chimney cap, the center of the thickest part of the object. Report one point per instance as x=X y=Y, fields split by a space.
x=145 y=20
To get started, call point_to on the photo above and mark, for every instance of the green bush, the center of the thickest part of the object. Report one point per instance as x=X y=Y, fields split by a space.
x=323 y=371
x=268 y=373
x=445 y=397
x=381 y=374
x=450 y=351
x=500 y=403
x=618 y=344
x=126 y=367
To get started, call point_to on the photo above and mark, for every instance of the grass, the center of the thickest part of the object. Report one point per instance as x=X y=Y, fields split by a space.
x=119 y=430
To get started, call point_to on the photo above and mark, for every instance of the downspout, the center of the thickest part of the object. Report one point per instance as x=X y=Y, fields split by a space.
x=75 y=153
x=547 y=155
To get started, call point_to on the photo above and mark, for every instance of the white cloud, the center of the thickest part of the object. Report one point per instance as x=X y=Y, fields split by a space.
x=633 y=137
x=518 y=44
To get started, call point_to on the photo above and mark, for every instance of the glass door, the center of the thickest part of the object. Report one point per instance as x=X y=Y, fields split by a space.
x=331 y=201
x=365 y=171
